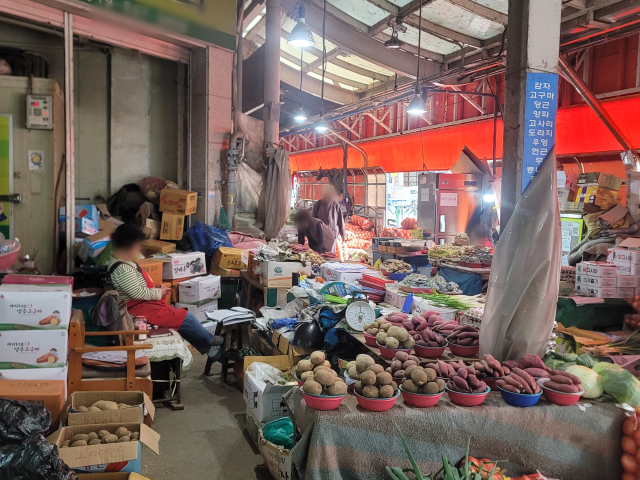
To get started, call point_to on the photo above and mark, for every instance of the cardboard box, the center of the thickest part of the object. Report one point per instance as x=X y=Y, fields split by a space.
x=224 y=272
x=626 y=292
x=16 y=279
x=624 y=255
x=199 y=289
x=627 y=281
x=596 y=269
x=111 y=476
x=596 y=281
x=231 y=258
x=280 y=274
x=265 y=400
x=93 y=245
x=252 y=425
x=177 y=201
x=421 y=305
x=153 y=268
x=148 y=220
x=35 y=307
x=183 y=265
x=332 y=275
x=86 y=226
x=174 y=290
x=199 y=309
x=100 y=458
x=81 y=211
x=142 y=409
x=25 y=349
x=253 y=265
x=595 y=190
x=278 y=458
x=49 y=394
x=564 y=196
x=149 y=247
x=283 y=344
x=172 y=226
x=33 y=374
x=602 y=179
x=623 y=268
x=604 y=292
x=395 y=297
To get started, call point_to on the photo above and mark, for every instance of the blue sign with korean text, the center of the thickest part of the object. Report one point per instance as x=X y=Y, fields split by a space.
x=540 y=122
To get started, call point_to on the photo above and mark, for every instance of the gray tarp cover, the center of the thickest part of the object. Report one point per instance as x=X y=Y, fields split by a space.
x=525 y=273
x=275 y=199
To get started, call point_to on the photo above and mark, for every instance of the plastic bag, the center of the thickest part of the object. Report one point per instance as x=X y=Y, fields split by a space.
x=20 y=420
x=126 y=202
x=248 y=190
x=207 y=239
x=152 y=186
x=33 y=459
x=275 y=199
x=279 y=432
x=265 y=372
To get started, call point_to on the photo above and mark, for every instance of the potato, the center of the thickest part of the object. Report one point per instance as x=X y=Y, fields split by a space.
x=385 y=327
x=409 y=386
x=121 y=431
x=65 y=443
x=373 y=331
x=327 y=364
x=306 y=375
x=419 y=377
x=92 y=435
x=429 y=388
x=441 y=383
x=358 y=387
x=323 y=377
x=363 y=362
x=384 y=378
x=79 y=443
x=386 y=391
x=105 y=405
x=391 y=331
x=338 y=388
x=366 y=326
x=110 y=438
x=392 y=342
x=431 y=374
x=394 y=385
x=80 y=436
x=381 y=337
x=124 y=439
x=349 y=365
x=82 y=409
x=402 y=335
x=406 y=364
x=304 y=366
x=409 y=343
x=135 y=436
x=371 y=391
x=94 y=409
x=415 y=359
x=103 y=433
x=368 y=378
x=95 y=441
x=354 y=374
x=312 y=387
x=316 y=358
x=402 y=356
x=408 y=370
x=376 y=368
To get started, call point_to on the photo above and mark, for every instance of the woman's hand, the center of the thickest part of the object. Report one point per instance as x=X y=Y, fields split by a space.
x=165 y=290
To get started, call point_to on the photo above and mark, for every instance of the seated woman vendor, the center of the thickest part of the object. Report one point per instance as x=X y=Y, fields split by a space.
x=321 y=238
x=144 y=299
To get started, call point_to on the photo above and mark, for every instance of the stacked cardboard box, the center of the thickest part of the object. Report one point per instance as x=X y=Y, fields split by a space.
x=175 y=205
x=606 y=279
x=199 y=295
x=229 y=262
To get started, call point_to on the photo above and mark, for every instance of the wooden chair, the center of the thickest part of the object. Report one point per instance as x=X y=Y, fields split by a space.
x=86 y=379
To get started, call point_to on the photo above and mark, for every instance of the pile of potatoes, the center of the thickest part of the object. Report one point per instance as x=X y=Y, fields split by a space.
x=400 y=363
x=389 y=335
x=103 y=436
x=102 y=406
x=371 y=379
x=318 y=376
x=422 y=380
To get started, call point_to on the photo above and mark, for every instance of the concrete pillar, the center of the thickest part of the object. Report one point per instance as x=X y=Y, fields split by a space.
x=271 y=115
x=531 y=94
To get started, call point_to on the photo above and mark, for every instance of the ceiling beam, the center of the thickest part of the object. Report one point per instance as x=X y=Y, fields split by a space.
x=318 y=61
x=256 y=28
x=252 y=11
x=386 y=6
x=318 y=71
x=481 y=11
x=436 y=57
x=356 y=42
x=340 y=15
x=360 y=70
x=313 y=86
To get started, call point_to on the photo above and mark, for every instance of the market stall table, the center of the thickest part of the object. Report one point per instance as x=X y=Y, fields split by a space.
x=483 y=272
x=272 y=296
x=568 y=443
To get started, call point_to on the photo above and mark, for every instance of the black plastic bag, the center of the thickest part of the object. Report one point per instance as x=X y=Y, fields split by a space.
x=20 y=420
x=33 y=459
x=126 y=202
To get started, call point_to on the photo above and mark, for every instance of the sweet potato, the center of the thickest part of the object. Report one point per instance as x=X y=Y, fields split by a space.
x=525 y=376
x=525 y=385
x=513 y=382
x=537 y=372
x=473 y=381
x=461 y=382
x=530 y=360
x=505 y=386
x=574 y=379
x=511 y=364
x=491 y=361
x=465 y=342
x=561 y=379
x=480 y=388
x=486 y=366
x=561 y=387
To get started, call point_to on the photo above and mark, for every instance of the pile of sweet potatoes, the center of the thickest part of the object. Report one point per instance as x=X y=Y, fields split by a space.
x=464 y=335
x=532 y=365
x=488 y=367
x=466 y=381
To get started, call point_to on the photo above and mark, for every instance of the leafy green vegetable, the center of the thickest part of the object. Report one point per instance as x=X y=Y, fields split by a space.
x=591 y=381
x=447 y=301
x=619 y=383
x=555 y=363
x=586 y=360
x=565 y=357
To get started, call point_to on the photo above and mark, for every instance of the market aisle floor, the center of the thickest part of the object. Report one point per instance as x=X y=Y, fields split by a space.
x=207 y=439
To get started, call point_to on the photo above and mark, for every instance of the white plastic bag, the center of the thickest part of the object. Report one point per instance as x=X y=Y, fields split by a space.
x=249 y=186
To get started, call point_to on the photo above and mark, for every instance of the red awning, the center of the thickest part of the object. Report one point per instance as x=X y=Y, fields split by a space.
x=579 y=132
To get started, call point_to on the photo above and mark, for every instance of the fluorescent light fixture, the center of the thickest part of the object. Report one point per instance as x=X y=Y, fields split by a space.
x=489 y=197
x=394 y=43
x=301 y=36
x=417 y=106
x=300 y=115
x=321 y=126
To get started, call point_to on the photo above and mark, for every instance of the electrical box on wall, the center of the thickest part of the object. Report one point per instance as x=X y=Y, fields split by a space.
x=39 y=114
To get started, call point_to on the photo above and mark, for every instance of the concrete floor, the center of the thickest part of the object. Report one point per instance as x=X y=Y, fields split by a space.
x=207 y=439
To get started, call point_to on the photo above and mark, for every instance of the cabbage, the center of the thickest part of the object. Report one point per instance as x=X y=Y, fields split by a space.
x=586 y=360
x=591 y=381
x=601 y=367
x=619 y=383
x=554 y=363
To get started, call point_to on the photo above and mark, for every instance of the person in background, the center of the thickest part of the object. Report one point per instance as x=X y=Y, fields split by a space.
x=328 y=210
x=321 y=238
x=144 y=299
x=478 y=236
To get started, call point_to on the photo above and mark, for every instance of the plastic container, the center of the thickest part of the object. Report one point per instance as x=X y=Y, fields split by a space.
x=370 y=340
x=491 y=382
x=429 y=352
x=376 y=404
x=467 y=399
x=559 y=398
x=300 y=382
x=397 y=276
x=420 y=400
x=389 y=353
x=520 y=399
x=8 y=259
x=384 y=272
x=322 y=402
x=463 y=350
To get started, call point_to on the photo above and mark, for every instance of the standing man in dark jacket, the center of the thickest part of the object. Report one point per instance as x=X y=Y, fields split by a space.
x=320 y=237
x=327 y=209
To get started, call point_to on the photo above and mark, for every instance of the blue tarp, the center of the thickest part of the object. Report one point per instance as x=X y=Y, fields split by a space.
x=470 y=283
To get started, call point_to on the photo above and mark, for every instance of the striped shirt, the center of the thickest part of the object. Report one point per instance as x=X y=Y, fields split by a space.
x=130 y=283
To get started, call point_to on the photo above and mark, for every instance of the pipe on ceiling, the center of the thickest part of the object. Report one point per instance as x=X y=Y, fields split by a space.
x=350 y=143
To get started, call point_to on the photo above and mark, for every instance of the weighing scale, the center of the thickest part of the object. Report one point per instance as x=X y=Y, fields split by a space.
x=358 y=313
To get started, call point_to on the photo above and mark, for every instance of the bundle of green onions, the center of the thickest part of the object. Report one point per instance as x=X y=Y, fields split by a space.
x=448 y=301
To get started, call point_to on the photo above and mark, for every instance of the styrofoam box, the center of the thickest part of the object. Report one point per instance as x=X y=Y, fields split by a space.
x=623 y=268
x=596 y=269
x=625 y=281
x=623 y=255
x=604 y=292
x=626 y=292
x=596 y=281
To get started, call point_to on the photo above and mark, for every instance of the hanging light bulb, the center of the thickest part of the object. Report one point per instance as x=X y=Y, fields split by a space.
x=417 y=105
x=301 y=36
x=322 y=126
x=300 y=115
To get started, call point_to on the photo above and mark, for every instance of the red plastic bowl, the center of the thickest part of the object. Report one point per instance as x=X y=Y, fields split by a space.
x=467 y=399
x=300 y=382
x=376 y=404
x=390 y=353
x=560 y=398
x=370 y=340
x=419 y=399
x=491 y=382
x=384 y=272
x=429 y=352
x=8 y=259
x=322 y=402
x=463 y=350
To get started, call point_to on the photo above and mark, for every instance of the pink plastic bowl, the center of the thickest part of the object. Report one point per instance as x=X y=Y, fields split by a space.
x=322 y=402
x=8 y=259
x=420 y=400
x=467 y=399
x=370 y=340
x=491 y=382
x=560 y=398
x=376 y=404
x=390 y=353
x=300 y=382
x=464 y=351
x=429 y=352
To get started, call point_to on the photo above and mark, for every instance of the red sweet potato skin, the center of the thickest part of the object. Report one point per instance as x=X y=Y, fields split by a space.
x=574 y=379
x=537 y=372
x=561 y=379
x=561 y=387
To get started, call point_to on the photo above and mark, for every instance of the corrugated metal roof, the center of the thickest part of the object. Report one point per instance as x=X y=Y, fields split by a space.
x=361 y=10
x=460 y=20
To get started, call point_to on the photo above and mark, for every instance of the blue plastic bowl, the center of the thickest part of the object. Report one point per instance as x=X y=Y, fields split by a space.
x=397 y=276
x=520 y=399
